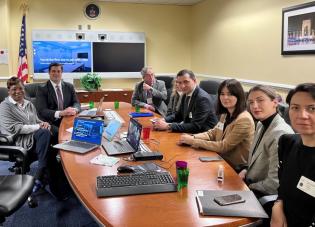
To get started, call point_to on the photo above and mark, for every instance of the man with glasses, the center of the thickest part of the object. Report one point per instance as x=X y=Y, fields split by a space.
x=196 y=112
x=150 y=93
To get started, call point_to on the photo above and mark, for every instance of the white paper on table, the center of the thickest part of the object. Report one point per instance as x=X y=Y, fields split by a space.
x=102 y=159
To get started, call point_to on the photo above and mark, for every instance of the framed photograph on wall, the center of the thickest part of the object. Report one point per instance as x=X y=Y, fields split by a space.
x=298 y=29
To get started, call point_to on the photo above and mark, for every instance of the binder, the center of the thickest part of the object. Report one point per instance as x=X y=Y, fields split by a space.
x=250 y=208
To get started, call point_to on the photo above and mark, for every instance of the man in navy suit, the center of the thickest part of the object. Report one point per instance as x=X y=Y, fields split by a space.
x=196 y=113
x=56 y=98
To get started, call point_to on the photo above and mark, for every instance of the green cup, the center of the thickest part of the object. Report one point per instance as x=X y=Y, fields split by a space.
x=182 y=178
x=116 y=104
x=91 y=104
x=137 y=108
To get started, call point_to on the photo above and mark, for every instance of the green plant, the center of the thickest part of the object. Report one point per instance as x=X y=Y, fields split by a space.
x=91 y=81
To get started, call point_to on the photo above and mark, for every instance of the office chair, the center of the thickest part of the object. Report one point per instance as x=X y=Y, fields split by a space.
x=31 y=91
x=3 y=93
x=210 y=86
x=14 y=190
x=168 y=80
x=283 y=110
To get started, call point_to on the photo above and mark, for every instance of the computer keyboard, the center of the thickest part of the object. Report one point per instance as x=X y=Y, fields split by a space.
x=113 y=115
x=80 y=144
x=136 y=183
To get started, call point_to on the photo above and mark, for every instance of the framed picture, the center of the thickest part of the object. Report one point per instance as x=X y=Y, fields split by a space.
x=92 y=11
x=298 y=29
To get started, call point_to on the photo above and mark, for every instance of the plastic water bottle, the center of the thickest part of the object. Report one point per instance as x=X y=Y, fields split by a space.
x=220 y=176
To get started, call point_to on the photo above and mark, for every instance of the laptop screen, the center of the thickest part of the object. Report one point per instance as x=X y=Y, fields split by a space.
x=134 y=134
x=87 y=130
x=111 y=129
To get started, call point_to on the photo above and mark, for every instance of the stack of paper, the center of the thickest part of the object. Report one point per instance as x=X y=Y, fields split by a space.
x=104 y=160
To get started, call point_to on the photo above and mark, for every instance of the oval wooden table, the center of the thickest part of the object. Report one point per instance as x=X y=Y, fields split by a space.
x=162 y=209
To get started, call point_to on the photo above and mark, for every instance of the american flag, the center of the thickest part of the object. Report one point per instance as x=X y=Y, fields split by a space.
x=23 y=67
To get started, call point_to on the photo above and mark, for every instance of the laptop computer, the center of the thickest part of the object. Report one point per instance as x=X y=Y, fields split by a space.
x=111 y=130
x=130 y=145
x=86 y=136
x=95 y=111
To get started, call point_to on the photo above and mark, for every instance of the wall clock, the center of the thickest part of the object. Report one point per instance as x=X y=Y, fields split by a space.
x=92 y=11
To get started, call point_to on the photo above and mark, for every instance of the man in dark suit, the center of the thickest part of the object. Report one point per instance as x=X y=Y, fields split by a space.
x=196 y=113
x=150 y=93
x=56 y=98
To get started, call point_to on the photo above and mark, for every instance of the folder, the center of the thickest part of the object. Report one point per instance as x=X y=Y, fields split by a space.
x=250 y=208
x=140 y=114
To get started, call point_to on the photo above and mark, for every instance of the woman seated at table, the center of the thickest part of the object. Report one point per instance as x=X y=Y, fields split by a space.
x=233 y=134
x=175 y=100
x=261 y=173
x=18 y=118
x=296 y=194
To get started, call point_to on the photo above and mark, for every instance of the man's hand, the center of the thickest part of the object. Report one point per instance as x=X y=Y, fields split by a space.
x=70 y=111
x=160 y=124
x=242 y=174
x=44 y=125
x=186 y=139
x=146 y=87
x=149 y=107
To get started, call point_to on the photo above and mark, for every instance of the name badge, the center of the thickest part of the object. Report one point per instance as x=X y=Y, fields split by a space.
x=190 y=115
x=306 y=185
x=220 y=126
x=149 y=101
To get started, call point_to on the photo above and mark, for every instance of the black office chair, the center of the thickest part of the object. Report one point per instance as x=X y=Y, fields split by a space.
x=31 y=91
x=283 y=110
x=168 y=84
x=14 y=191
x=210 y=86
x=3 y=93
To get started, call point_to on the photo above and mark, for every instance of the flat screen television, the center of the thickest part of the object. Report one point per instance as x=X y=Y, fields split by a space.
x=75 y=56
x=118 y=57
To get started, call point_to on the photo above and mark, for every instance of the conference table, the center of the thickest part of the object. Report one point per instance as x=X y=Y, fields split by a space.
x=161 y=209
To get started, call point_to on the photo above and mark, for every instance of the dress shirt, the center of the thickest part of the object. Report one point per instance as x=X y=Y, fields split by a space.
x=57 y=113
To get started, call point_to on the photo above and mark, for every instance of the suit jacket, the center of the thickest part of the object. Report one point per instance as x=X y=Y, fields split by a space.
x=233 y=143
x=46 y=101
x=159 y=94
x=199 y=117
x=262 y=171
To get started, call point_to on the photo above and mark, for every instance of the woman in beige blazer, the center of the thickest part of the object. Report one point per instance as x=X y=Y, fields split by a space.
x=232 y=136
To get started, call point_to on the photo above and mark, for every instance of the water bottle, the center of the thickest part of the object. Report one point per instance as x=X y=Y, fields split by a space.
x=220 y=176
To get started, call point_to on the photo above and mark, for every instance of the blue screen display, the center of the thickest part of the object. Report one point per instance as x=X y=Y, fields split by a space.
x=74 y=56
x=87 y=130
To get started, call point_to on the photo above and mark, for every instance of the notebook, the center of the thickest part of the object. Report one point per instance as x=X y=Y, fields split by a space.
x=250 y=208
x=130 y=145
x=86 y=136
x=95 y=111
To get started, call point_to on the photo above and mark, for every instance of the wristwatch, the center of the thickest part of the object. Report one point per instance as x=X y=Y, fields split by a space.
x=169 y=127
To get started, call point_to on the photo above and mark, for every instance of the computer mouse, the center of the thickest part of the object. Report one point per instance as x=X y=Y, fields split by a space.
x=125 y=169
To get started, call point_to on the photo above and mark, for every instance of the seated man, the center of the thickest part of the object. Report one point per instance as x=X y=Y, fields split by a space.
x=196 y=112
x=150 y=93
x=56 y=98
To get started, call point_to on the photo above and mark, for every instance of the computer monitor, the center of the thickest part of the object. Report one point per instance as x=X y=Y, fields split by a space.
x=134 y=133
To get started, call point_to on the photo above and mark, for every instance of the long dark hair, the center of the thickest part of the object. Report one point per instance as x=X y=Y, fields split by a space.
x=236 y=89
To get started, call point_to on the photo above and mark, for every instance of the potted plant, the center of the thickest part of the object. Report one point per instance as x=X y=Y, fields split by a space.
x=91 y=81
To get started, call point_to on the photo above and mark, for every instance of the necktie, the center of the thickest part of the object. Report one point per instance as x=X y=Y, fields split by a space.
x=59 y=97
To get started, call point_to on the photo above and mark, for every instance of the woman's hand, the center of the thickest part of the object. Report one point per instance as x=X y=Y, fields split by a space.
x=278 y=218
x=186 y=139
x=242 y=174
x=44 y=125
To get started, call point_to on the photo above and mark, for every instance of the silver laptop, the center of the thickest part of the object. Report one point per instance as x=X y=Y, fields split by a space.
x=130 y=145
x=86 y=136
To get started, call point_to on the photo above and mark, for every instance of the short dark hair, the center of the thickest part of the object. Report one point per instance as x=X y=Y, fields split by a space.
x=186 y=71
x=54 y=64
x=236 y=89
x=14 y=81
x=305 y=87
x=270 y=92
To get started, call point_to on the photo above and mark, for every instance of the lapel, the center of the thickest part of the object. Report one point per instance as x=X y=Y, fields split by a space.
x=52 y=92
x=142 y=92
x=266 y=137
x=221 y=133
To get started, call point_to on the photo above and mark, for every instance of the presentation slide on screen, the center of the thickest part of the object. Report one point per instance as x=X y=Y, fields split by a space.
x=74 y=56
x=87 y=131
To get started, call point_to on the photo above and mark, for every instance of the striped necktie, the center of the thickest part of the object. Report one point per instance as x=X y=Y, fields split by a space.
x=59 y=97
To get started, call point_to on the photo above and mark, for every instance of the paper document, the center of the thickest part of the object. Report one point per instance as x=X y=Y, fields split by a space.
x=104 y=160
